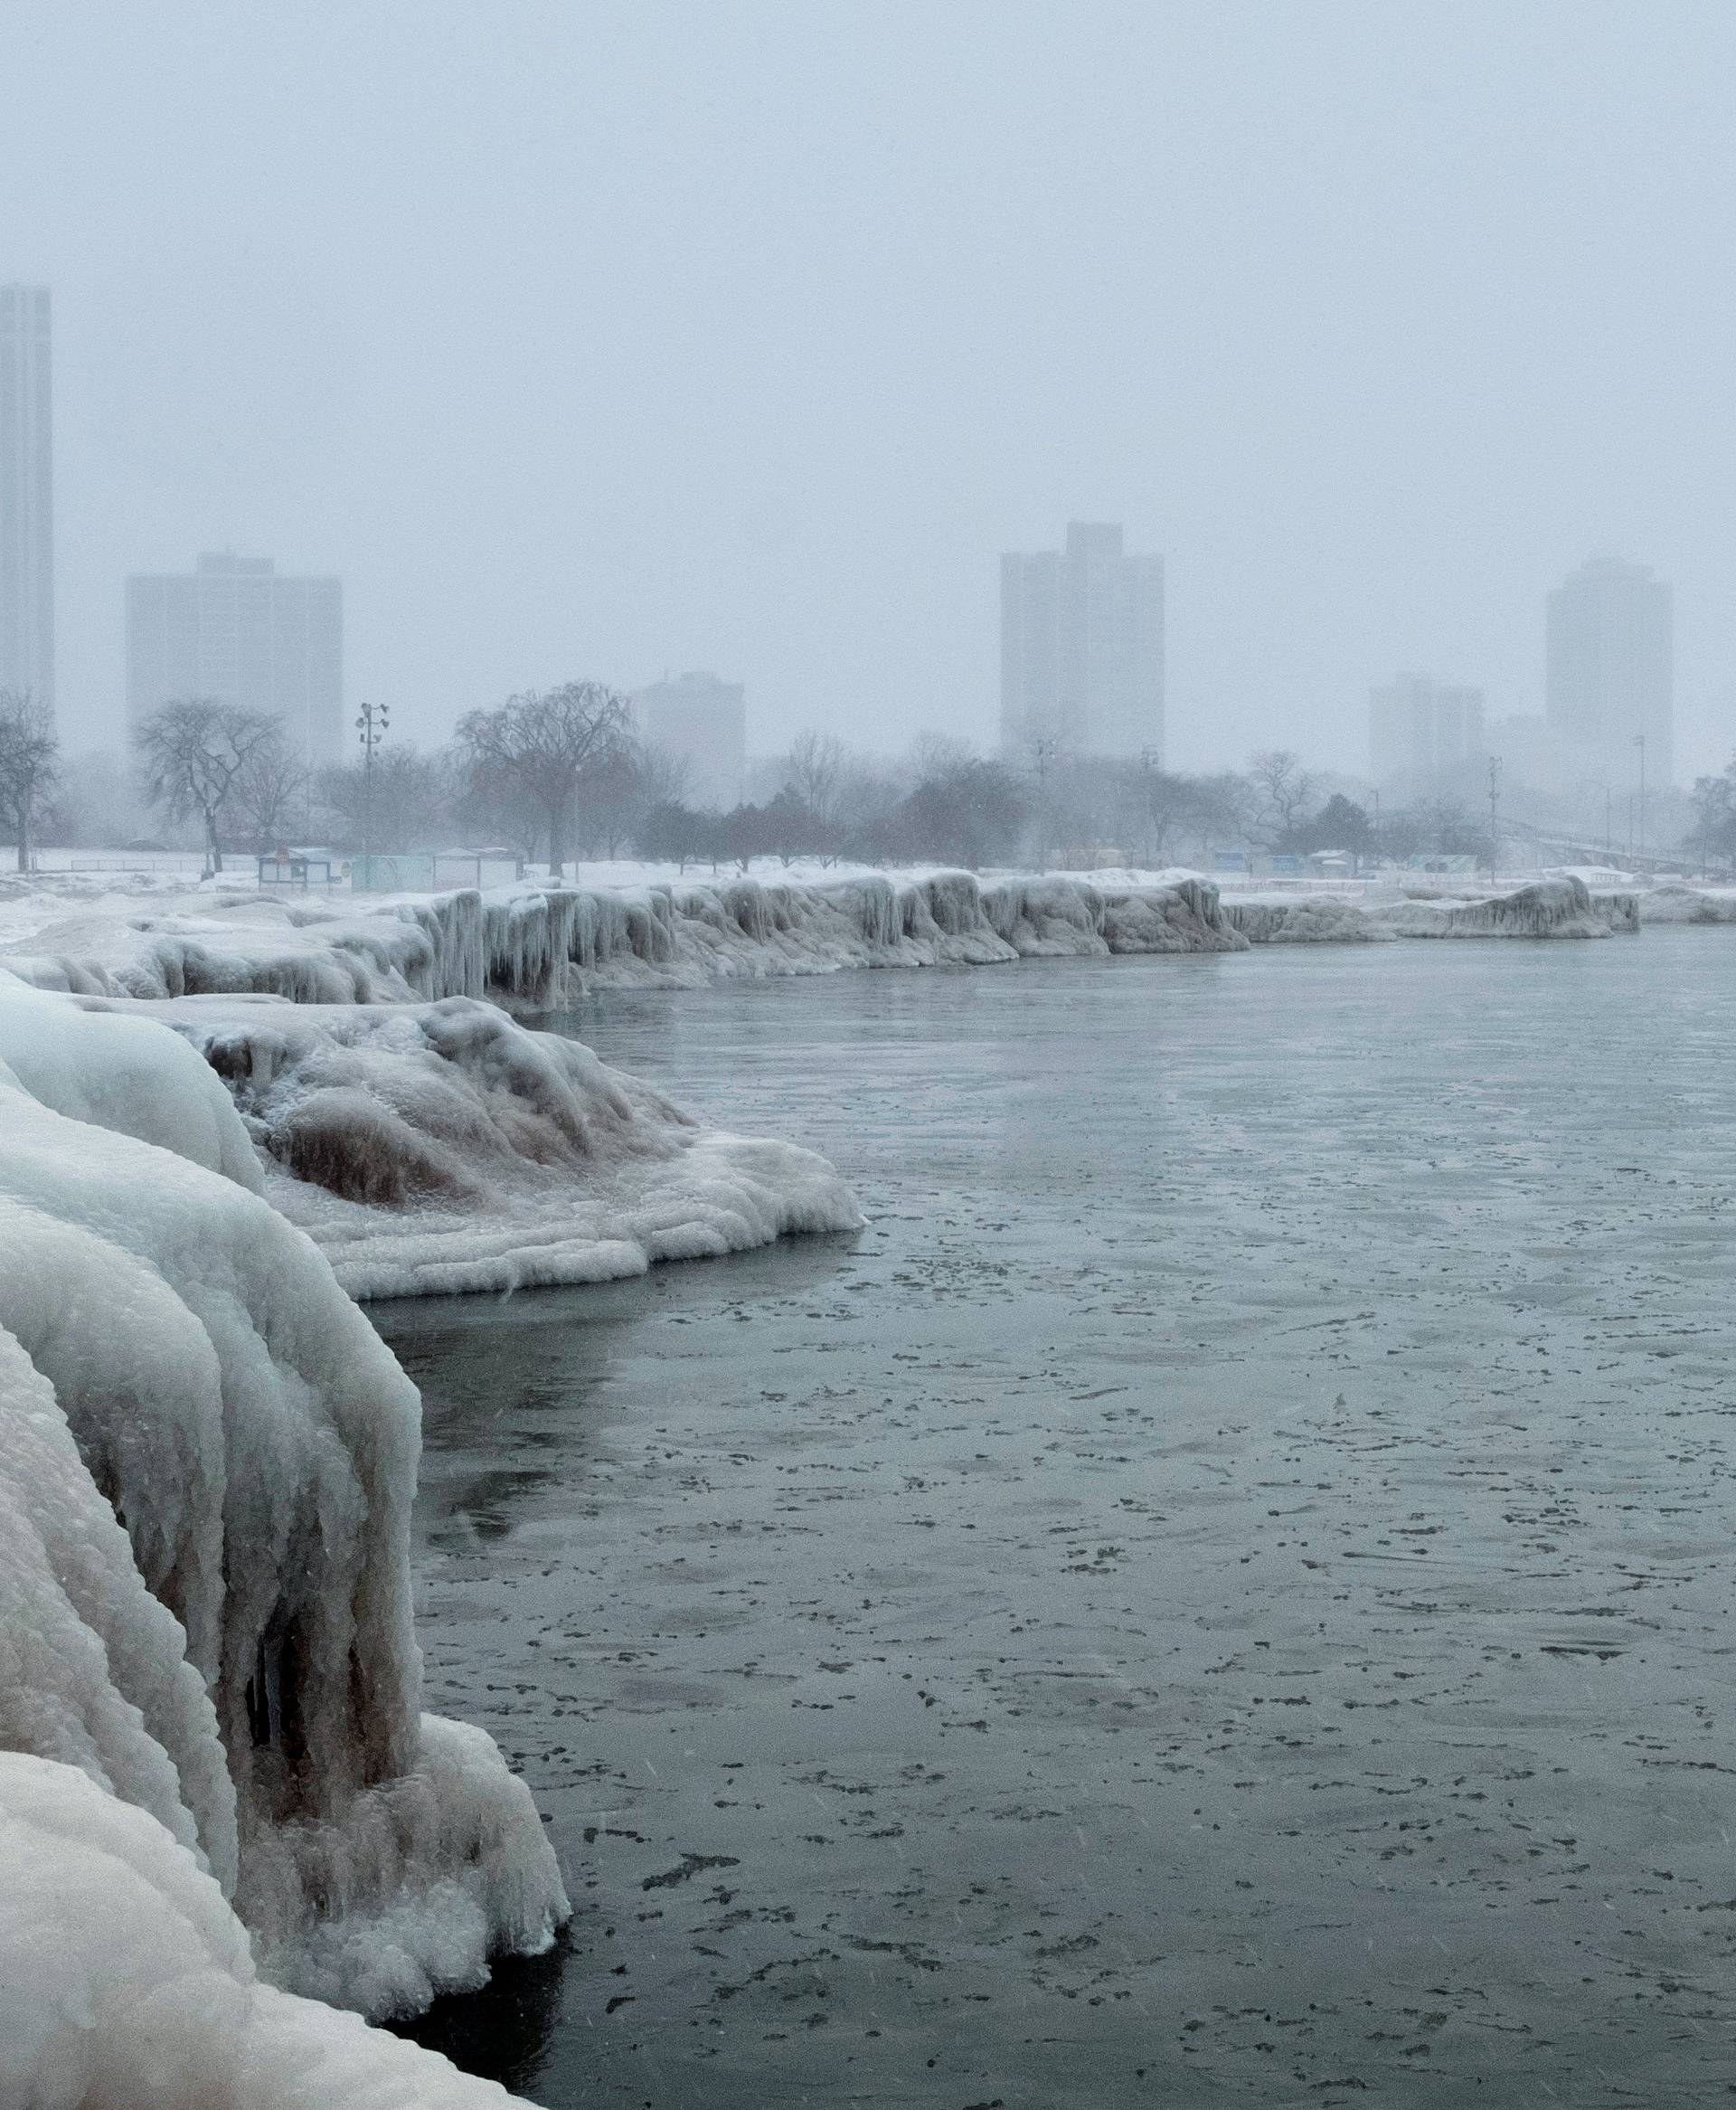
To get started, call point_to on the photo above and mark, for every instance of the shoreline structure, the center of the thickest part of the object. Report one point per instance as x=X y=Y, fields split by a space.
x=220 y=1805
x=538 y=948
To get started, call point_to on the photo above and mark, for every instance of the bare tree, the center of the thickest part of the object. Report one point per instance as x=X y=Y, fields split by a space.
x=271 y=789
x=1284 y=789
x=532 y=751
x=29 y=752
x=193 y=752
x=412 y=800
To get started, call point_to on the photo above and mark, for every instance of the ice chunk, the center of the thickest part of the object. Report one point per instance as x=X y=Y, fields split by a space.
x=127 y=1981
x=442 y=1146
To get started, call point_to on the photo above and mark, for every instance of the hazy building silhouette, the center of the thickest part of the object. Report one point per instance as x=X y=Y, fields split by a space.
x=1612 y=632
x=236 y=631
x=26 y=496
x=1083 y=645
x=1422 y=731
x=703 y=722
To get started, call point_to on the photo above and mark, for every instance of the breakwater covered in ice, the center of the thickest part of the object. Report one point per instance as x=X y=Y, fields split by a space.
x=539 y=947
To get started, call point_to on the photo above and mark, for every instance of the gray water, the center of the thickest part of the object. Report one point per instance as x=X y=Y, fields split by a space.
x=1221 y=1594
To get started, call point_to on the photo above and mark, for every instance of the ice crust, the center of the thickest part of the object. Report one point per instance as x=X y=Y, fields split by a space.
x=207 y=1459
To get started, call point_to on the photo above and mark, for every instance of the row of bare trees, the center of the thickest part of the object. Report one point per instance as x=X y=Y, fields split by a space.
x=552 y=772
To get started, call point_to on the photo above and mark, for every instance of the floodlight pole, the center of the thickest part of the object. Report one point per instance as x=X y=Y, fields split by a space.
x=1639 y=741
x=1495 y=795
x=371 y=726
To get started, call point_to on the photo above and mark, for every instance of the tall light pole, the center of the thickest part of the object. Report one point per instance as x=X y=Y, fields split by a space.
x=371 y=726
x=1043 y=751
x=1495 y=795
x=1639 y=741
x=1148 y=761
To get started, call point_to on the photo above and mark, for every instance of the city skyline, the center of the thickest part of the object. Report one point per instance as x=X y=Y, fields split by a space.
x=1240 y=290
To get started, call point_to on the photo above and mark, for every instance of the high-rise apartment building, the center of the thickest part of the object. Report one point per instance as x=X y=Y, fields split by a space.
x=1611 y=679
x=703 y=722
x=26 y=496
x=1421 y=732
x=1083 y=645
x=236 y=631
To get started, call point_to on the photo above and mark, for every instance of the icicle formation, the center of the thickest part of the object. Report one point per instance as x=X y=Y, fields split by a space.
x=207 y=1458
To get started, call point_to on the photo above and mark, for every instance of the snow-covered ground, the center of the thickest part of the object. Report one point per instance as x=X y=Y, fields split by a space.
x=207 y=1459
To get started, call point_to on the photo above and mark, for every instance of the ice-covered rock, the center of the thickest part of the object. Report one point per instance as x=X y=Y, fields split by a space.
x=435 y=1148
x=1549 y=908
x=1305 y=920
x=207 y=1458
x=1687 y=905
x=126 y=1982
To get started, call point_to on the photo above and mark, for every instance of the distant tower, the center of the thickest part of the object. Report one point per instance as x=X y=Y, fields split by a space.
x=237 y=631
x=1612 y=670
x=1083 y=645
x=1420 y=731
x=703 y=722
x=26 y=496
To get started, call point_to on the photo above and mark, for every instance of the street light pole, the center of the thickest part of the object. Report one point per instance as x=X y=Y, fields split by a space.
x=1639 y=741
x=1148 y=761
x=1495 y=794
x=1044 y=750
x=372 y=726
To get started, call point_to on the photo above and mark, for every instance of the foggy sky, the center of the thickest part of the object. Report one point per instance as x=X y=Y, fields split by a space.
x=606 y=340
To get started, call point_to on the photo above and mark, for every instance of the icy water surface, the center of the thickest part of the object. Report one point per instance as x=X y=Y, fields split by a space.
x=1221 y=1594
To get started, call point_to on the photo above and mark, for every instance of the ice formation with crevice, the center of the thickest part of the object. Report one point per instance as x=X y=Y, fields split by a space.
x=440 y=1148
x=207 y=1460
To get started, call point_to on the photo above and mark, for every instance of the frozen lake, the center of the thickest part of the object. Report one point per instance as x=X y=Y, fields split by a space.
x=1221 y=1594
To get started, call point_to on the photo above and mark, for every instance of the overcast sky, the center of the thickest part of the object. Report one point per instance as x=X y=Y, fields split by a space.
x=610 y=340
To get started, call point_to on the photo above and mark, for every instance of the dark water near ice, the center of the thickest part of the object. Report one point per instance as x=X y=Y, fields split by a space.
x=1221 y=1594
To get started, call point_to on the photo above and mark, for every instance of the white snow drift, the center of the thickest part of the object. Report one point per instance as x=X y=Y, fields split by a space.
x=207 y=1458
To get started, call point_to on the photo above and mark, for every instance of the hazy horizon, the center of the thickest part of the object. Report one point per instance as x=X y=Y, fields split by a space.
x=615 y=341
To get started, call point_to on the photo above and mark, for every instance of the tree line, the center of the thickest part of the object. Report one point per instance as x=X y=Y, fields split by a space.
x=561 y=773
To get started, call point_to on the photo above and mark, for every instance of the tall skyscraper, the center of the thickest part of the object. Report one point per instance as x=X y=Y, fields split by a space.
x=26 y=496
x=1083 y=645
x=703 y=722
x=1420 y=731
x=1612 y=671
x=235 y=630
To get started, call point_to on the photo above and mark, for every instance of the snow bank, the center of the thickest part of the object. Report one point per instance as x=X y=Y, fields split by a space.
x=127 y=1981
x=439 y=1148
x=207 y=1458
